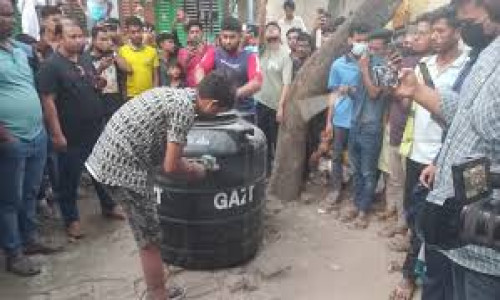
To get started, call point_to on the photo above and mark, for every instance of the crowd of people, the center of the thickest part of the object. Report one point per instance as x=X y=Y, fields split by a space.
x=403 y=106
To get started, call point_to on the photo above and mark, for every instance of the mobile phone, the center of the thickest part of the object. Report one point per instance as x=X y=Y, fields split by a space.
x=426 y=75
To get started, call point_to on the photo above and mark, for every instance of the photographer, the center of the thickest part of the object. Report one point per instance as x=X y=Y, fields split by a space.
x=472 y=118
x=110 y=69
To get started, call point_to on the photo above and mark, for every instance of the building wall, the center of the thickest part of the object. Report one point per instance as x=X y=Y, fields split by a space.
x=307 y=8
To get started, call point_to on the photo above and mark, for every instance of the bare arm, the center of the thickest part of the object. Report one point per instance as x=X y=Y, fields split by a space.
x=52 y=120
x=280 y=115
x=429 y=99
x=177 y=167
x=249 y=89
x=332 y=100
x=410 y=88
x=156 y=76
x=5 y=136
x=122 y=65
x=373 y=90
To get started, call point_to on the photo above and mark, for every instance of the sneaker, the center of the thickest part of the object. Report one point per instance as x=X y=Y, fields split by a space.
x=22 y=265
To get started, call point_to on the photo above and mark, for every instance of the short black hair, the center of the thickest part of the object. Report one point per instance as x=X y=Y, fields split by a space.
x=305 y=37
x=447 y=13
x=358 y=29
x=289 y=4
x=218 y=86
x=59 y=28
x=424 y=18
x=49 y=10
x=381 y=34
x=112 y=23
x=160 y=38
x=231 y=24
x=292 y=30
x=194 y=23
x=274 y=24
x=96 y=29
x=133 y=21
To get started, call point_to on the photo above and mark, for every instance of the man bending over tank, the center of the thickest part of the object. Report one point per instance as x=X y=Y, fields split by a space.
x=149 y=131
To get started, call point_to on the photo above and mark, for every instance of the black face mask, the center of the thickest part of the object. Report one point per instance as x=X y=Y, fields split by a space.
x=474 y=36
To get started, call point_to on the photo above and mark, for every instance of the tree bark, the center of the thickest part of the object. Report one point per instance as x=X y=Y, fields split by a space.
x=286 y=179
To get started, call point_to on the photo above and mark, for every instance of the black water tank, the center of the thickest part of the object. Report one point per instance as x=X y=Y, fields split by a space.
x=218 y=222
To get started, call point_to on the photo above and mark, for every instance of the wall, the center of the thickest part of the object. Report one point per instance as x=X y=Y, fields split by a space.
x=304 y=8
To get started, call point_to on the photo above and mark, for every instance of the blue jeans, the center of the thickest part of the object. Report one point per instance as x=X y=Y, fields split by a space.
x=470 y=285
x=340 y=143
x=21 y=170
x=70 y=165
x=364 y=151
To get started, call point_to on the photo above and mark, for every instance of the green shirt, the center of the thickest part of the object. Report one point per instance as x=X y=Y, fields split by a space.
x=20 y=109
x=276 y=68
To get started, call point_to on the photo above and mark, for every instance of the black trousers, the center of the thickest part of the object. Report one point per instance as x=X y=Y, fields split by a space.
x=413 y=170
x=266 y=121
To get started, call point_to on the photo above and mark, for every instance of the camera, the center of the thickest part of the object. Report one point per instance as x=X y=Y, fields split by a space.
x=385 y=76
x=476 y=186
x=472 y=217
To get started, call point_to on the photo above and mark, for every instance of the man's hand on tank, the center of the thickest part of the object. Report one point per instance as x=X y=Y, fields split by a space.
x=197 y=171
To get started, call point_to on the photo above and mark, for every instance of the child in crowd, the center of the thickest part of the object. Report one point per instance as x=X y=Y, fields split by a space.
x=176 y=76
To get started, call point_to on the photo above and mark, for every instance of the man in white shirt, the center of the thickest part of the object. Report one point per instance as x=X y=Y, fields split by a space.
x=290 y=20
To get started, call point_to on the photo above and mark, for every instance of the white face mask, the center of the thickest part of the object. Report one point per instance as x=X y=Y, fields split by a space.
x=359 y=49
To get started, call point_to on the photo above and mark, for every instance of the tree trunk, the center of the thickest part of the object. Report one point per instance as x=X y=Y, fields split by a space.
x=286 y=179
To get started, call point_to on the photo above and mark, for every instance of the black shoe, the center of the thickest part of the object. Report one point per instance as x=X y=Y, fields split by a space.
x=22 y=265
x=40 y=248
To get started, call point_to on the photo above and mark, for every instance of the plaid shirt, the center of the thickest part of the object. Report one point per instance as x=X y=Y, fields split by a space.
x=473 y=117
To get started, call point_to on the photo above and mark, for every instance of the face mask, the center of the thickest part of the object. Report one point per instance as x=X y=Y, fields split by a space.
x=473 y=35
x=359 y=49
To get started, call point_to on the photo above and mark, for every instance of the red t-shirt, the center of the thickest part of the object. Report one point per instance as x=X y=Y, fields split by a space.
x=190 y=64
x=207 y=63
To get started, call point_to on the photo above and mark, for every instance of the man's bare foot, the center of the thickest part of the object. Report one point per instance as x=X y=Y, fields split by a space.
x=386 y=215
x=399 y=244
x=116 y=213
x=392 y=230
x=349 y=215
x=74 y=231
x=404 y=290
x=361 y=222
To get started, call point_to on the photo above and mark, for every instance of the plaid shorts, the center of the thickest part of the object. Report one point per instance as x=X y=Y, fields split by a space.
x=141 y=212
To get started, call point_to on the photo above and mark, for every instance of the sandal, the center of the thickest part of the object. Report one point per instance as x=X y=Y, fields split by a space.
x=403 y=291
x=399 y=244
x=360 y=223
x=349 y=215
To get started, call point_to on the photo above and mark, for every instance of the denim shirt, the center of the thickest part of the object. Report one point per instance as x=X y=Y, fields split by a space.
x=368 y=114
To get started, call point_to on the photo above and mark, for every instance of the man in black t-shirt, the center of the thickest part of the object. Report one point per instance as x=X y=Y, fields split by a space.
x=75 y=117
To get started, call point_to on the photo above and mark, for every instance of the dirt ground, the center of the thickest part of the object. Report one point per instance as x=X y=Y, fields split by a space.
x=304 y=256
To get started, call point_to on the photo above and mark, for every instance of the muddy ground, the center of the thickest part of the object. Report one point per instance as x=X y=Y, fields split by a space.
x=304 y=256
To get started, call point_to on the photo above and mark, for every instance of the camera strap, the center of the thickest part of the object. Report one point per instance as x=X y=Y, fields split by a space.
x=426 y=75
